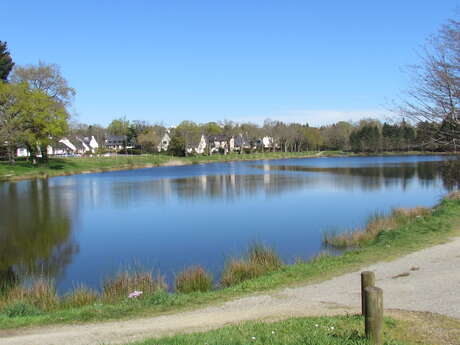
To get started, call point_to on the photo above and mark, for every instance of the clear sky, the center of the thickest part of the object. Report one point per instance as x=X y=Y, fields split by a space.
x=307 y=61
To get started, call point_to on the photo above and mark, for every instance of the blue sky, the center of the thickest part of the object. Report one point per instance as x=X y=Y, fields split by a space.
x=307 y=61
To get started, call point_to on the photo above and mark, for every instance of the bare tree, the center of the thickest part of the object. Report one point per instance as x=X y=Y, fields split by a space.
x=434 y=96
x=47 y=78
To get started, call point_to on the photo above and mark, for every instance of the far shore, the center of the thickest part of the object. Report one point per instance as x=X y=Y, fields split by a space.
x=24 y=170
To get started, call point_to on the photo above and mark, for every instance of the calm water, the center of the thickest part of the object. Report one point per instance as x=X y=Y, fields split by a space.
x=86 y=227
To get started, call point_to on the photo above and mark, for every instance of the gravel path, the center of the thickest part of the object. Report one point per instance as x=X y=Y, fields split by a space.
x=428 y=280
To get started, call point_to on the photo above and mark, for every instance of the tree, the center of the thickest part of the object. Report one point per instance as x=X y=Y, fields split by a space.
x=47 y=78
x=42 y=121
x=434 y=96
x=210 y=130
x=120 y=127
x=6 y=62
x=188 y=133
x=30 y=117
x=10 y=111
x=149 y=141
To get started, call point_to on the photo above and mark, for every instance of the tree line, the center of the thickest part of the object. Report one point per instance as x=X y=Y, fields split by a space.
x=367 y=136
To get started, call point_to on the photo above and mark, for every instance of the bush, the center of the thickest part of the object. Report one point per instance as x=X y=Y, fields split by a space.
x=193 y=279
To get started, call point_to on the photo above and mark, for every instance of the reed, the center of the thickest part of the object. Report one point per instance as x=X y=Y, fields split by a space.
x=80 y=296
x=123 y=284
x=193 y=279
x=375 y=226
x=41 y=294
x=258 y=260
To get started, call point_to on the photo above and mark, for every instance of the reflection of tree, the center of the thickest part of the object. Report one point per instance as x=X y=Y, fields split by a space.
x=271 y=182
x=450 y=172
x=34 y=230
x=371 y=177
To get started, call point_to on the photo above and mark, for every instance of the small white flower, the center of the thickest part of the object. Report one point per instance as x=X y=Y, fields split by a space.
x=332 y=328
x=253 y=338
x=273 y=332
x=316 y=325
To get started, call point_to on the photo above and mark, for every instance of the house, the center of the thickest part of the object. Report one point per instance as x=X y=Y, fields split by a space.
x=115 y=142
x=221 y=143
x=240 y=142
x=266 y=142
x=164 y=143
x=93 y=144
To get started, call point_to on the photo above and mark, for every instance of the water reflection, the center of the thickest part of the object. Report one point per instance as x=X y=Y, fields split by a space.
x=35 y=231
x=149 y=214
x=371 y=177
x=229 y=187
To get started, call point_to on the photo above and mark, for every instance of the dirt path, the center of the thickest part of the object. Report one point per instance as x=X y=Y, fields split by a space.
x=432 y=285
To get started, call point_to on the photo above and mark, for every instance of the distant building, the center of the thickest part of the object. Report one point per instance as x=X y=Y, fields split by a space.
x=165 y=141
x=115 y=142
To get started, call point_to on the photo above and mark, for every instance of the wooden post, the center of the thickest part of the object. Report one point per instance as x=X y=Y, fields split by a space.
x=373 y=320
x=367 y=279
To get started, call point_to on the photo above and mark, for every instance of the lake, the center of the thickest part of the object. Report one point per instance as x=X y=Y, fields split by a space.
x=83 y=228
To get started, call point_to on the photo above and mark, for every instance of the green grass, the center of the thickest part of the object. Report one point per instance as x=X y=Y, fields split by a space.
x=344 y=330
x=435 y=228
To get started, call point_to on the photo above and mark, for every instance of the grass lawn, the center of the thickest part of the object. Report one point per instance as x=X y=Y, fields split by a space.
x=426 y=231
x=407 y=328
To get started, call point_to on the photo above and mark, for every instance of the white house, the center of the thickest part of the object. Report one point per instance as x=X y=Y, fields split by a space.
x=201 y=145
x=165 y=140
x=68 y=144
x=93 y=144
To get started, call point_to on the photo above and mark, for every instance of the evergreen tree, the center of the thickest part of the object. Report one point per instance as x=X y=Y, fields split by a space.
x=6 y=62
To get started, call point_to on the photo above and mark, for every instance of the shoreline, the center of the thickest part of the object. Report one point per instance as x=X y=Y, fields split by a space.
x=438 y=226
x=193 y=160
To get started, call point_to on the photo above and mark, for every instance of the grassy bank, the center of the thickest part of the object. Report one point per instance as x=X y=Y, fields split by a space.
x=23 y=169
x=414 y=233
x=408 y=328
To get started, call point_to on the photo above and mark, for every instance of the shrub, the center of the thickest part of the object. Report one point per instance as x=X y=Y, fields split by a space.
x=193 y=279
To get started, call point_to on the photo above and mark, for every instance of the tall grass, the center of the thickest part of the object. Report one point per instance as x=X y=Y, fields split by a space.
x=258 y=260
x=80 y=296
x=193 y=279
x=125 y=282
x=40 y=294
x=376 y=225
